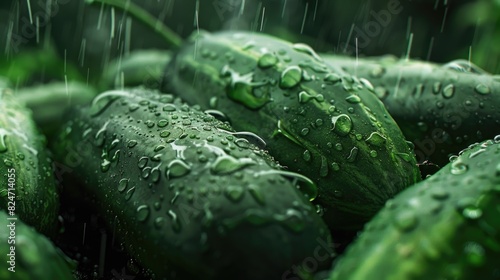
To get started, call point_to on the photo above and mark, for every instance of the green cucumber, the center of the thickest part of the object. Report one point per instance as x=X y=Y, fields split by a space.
x=445 y=227
x=186 y=194
x=317 y=121
x=28 y=188
x=49 y=102
x=440 y=108
x=144 y=67
x=27 y=254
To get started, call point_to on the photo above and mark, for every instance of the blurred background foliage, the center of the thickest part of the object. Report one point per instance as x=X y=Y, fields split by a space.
x=69 y=39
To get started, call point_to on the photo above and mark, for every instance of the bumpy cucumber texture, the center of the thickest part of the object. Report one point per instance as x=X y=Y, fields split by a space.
x=316 y=120
x=440 y=108
x=189 y=196
x=445 y=227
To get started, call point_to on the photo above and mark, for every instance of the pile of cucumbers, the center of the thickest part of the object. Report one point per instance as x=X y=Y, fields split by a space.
x=238 y=155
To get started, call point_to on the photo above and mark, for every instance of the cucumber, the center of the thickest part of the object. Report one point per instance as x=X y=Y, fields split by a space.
x=440 y=108
x=317 y=121
x=49 y=102
x=27 y=254
x=144 y=67
x=445 y=227
x=185 y=193
x=28 y=186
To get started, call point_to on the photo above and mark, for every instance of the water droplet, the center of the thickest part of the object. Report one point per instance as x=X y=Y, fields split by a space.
x=142 y=213
x=332 y=78
x=164 y=133
x=448 y=91
x=234 y=193
x=169 y=108
x=306 y=155
x=104 y=100
x=3 y=136
x=406 y=221
x=267 y=60
x=353 y=99
x=105 y=164
x=476 y=153
x=376 y=139
x=176 y=224
x=177 y=168
x=304 y=131
x=146 y=172
x=228 y=164
x=367 y=84
x=335 y=166
x=373 y=153
x=497 y=139
x=342 y=124
x=132 y=143
x=293 y=220
x=406 y=157
x=458 y=167
x=305 y=97
x=123 y=184
x=353 y=154
x=143 y=161
x=436 y=87
x=256 y=194
x=482 y=89
x=439 y=193
x=339 y=147
x=472 y=212
x=290 y=77
x=159 y=222
x=129 y=193
x=162 y=123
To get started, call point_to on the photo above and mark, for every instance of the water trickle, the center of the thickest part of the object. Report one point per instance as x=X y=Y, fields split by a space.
x=303 y=48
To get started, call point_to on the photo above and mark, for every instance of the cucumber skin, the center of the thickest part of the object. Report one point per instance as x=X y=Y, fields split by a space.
x=205 y=245
x=438 y=126
x=36 y=193
x=350 y=196
x=445 y=227
x=139 y=68
x=36 y=257
x=49 y=102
